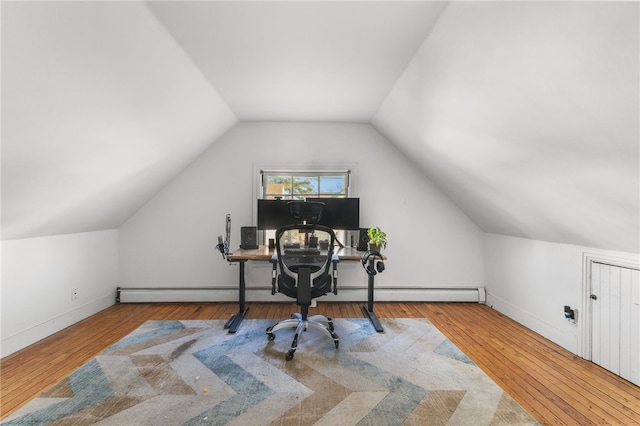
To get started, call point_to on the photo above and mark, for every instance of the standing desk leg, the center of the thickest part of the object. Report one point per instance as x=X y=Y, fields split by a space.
x=368 y=309
x=236 y=319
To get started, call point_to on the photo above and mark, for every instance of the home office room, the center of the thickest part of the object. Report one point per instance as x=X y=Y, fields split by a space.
x=496 y=145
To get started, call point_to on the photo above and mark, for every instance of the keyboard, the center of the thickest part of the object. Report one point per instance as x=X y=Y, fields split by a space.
x=302 y=251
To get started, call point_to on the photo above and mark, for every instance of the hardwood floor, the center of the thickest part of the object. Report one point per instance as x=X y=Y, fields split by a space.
x=555 y=386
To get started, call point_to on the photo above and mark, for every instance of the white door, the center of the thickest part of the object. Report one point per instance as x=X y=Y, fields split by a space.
x=615 y=320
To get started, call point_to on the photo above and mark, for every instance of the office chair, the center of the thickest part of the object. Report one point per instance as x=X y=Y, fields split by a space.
x=304 y=268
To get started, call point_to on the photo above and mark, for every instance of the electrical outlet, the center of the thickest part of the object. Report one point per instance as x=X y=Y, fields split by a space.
x=74 y=294
x=570 y=314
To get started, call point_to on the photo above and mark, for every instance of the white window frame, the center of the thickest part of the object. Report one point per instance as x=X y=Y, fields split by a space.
x=350 y=169
x=314 y=174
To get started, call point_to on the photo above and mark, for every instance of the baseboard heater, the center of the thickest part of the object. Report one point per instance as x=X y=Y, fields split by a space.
x=263 y=294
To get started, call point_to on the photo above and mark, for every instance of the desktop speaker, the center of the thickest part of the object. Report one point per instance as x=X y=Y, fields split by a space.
x=248 y=237
x=363 y=240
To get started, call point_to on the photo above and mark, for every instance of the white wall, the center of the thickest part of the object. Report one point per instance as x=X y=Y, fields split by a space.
x=171 y=241
x=530 y=281
x=38 y=275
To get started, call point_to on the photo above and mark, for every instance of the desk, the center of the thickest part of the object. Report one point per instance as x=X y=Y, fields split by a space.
x=264 y=254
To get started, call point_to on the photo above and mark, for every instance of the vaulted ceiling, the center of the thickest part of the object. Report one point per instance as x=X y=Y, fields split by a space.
x=303 y=61
x=525 y=114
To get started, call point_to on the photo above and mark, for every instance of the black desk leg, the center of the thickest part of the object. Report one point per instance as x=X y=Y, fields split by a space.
x=236 y=319
x=368 y=309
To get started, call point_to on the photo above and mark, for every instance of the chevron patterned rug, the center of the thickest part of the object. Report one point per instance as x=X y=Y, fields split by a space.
x=194 y=372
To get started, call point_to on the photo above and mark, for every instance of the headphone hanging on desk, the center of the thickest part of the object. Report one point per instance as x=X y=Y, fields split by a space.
x=379 y=265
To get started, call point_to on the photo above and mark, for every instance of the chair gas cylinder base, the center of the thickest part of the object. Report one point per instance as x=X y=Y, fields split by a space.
x=301 y=324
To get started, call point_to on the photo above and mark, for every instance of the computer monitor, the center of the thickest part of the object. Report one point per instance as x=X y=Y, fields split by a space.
x=272 y=214
x=340 y=213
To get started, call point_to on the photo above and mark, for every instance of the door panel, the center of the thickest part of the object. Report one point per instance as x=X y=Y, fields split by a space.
x=615 y=320
x=630 y=326
x=614 y=310
x=596 y=314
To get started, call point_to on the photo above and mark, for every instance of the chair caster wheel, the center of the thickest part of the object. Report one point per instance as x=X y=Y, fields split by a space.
x=289 y=356
x=271 y=336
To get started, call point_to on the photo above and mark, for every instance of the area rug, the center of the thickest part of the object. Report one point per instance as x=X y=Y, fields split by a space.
x=194 y=372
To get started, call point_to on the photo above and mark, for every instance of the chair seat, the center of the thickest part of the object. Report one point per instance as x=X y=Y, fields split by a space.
x=320 y=287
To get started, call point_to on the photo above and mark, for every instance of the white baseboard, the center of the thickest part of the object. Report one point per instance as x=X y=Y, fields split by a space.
x=24 y=338
x=263 y=294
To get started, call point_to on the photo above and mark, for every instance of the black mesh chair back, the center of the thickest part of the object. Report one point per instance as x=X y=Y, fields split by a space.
x=309 y=212
x=305 y=246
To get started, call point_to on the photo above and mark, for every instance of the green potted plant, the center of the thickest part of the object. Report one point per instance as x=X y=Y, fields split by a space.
x=377 y=239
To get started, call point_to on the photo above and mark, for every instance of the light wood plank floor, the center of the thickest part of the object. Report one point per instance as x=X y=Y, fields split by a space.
x=555 y=386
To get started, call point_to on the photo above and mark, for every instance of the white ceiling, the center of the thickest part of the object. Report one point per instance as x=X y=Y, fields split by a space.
x=300 y=61
x=526 y=114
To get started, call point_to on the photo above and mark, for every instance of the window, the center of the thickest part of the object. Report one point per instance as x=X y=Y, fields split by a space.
x=302 y=184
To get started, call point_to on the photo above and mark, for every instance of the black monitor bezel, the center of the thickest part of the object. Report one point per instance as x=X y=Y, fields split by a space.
x=272 y=214
x=344 y=218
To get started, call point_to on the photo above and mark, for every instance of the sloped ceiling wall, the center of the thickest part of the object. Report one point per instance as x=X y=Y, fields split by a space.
x=523 y=113
x=527 y=116
x=100 y=108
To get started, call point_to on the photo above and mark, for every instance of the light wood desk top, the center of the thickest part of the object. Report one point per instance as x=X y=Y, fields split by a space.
x=265 y=253
x=261 y=253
